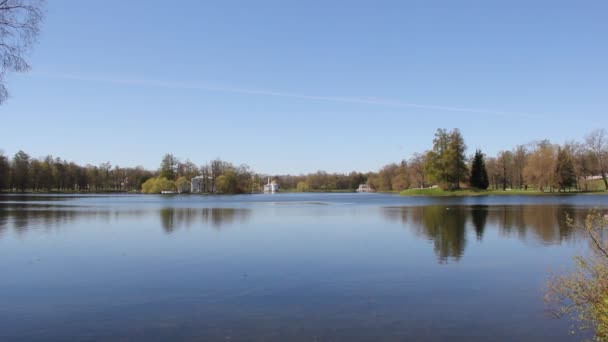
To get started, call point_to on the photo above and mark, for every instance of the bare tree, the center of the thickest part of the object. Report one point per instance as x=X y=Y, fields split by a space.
x=19 y=28
x=520 y=156
x=416 y=163
x=597 y=141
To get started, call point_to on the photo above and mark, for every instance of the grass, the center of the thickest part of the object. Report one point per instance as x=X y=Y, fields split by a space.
x=473 y=192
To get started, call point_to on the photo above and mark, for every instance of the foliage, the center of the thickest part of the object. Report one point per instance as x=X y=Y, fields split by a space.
x=168 y=167
x=565 y=176
x=446 y=161
x=302 y=186
x=227 y=183
x=392 y=177
x=157 y=185
x=479 y=173
x=4 y=172
x=21 y=168
x=182 y=184
x=540 y=166
x=583 y=295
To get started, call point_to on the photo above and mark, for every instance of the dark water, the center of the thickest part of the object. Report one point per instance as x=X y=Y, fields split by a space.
x=309 y=267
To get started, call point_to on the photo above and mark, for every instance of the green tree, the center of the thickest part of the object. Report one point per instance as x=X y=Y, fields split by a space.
x=157 y=185
x=565 y=175
x=4 y=172
x=302 y=186
x=479 y=173
x=182 y=184
x=446 y=162
x=21 y=171
x=457 y=166
x=46 y=174
x=168 y=167
x=227 y=183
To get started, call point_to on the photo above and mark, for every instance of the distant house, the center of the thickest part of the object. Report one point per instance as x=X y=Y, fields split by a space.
x=198 y=184
x=271 y=187
x=365 y=188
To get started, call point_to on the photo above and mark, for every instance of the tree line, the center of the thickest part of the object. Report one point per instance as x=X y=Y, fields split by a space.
x=217 y=176
x=540 y=165
x=24 y=173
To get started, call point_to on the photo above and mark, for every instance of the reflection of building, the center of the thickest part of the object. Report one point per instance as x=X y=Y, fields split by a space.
x=365 y=188
x=271 y=187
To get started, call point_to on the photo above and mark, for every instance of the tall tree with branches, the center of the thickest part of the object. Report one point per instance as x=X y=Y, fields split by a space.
x=19 y=29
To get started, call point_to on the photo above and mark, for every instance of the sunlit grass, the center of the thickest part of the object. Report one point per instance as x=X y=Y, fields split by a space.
x=474 y=192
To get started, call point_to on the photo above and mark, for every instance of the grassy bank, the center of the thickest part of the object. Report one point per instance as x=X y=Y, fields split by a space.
x=473 y=192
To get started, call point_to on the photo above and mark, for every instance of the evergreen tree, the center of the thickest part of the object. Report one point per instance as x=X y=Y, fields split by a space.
x=456 y=159
x=565 y=175
x=446 y=162
x=479 y=173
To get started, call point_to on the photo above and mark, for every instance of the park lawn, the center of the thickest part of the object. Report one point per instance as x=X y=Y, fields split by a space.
x=474 y=192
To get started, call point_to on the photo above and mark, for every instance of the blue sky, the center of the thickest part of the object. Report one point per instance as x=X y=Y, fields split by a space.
x=300 y=86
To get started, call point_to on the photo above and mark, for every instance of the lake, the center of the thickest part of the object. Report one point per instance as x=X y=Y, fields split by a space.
x=284 y=267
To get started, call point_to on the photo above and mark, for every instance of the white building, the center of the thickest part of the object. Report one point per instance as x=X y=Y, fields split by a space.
x=365 y=188
x=196 y=184
x=271 y=187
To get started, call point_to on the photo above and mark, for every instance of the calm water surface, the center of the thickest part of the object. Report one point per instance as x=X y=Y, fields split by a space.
x=309 y=267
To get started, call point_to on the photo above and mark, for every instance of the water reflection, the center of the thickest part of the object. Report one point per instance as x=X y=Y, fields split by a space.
x=479 y=217
x=22 y=217
x=173 y=218
x=446 y=226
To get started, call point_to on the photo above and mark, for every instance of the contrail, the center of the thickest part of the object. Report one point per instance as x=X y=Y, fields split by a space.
x=262 y=92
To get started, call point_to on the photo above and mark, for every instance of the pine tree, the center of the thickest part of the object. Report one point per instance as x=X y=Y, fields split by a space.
x=479 y=173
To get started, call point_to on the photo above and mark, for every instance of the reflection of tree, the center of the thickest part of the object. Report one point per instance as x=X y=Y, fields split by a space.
x=167 y=219
x=446 y=226
x=172 y=218
x=3 y=222
x=221 y=216
x=547 y=223
x=22 y=217
x=479 y=216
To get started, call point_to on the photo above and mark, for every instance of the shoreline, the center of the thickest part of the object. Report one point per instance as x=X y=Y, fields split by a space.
x=473 y=193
